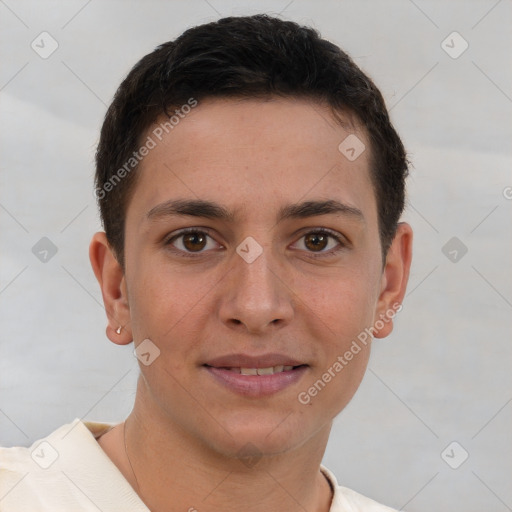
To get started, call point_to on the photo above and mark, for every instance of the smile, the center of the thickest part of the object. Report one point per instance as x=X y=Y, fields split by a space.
x=256 y=382
x=261 y=371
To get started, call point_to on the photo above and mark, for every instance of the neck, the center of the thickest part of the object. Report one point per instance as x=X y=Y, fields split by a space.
x=173 y=471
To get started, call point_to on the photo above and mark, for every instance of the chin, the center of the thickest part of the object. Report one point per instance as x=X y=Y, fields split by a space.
x=267 y=434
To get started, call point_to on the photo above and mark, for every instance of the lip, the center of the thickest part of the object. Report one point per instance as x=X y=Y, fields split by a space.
x=255 y=385
x=247 y=361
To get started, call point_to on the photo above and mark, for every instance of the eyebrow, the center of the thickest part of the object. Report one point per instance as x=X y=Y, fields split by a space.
x=211 y=210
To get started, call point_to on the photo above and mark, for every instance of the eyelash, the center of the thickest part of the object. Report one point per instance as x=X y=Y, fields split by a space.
x=324 y=231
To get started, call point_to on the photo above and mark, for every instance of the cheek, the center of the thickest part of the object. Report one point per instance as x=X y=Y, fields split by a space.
x=341 y=310
x=343 y=302
x=168 y=306
x=337 y=323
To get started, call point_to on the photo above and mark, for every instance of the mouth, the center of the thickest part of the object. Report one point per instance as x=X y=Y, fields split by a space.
x=270 y=370
x=255 y=378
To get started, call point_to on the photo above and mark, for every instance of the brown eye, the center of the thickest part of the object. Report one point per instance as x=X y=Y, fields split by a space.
x=194 y=241
x=321 y=243
x=316 y=241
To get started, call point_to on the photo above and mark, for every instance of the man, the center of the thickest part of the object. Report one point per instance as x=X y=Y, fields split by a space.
x=250 y=185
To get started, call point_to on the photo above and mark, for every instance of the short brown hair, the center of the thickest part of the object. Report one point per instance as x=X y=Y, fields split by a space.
x=248 y=56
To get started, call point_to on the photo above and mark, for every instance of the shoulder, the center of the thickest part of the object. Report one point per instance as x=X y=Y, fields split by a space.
x=66 y=470
x=24 y=470
x=348 y=500
x=361 y=503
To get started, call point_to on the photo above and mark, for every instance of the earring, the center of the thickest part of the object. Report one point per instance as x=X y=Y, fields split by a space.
x=118 y=330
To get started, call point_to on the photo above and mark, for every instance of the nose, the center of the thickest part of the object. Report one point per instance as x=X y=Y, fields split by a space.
x=255 y=297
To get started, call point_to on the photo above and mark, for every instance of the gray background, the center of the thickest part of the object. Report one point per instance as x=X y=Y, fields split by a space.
x=442 y=376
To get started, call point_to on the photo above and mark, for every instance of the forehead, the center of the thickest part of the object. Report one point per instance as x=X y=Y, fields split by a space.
x=253 y=154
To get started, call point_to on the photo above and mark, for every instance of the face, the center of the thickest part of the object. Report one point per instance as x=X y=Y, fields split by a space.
x=252 y=247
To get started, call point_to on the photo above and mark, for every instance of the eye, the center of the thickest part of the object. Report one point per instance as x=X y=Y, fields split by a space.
x=321 y=241
x=192 y=241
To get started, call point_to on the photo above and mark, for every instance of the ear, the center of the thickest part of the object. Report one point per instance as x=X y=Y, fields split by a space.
x=112 y=282
x=394 y=280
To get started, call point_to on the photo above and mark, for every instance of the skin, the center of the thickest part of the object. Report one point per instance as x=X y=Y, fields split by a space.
x=252 y=157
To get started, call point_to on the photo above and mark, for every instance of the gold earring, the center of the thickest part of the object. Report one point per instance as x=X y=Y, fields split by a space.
x=118 y=330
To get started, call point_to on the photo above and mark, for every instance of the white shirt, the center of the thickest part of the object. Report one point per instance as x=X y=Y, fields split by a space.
x=68 y=471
